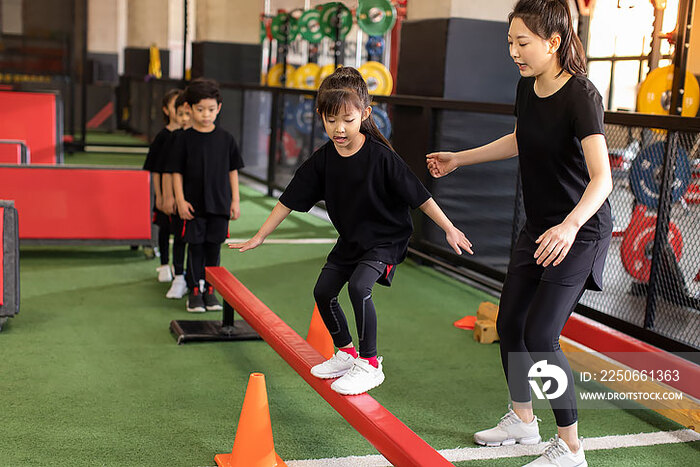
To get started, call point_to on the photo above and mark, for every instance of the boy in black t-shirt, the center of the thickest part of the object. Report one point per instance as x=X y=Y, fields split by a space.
x=205 y=165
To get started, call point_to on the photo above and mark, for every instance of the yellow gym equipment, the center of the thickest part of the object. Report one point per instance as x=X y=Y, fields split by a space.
x=378 y=77
x=274 y=76
x=654 y=95
x=306 y=77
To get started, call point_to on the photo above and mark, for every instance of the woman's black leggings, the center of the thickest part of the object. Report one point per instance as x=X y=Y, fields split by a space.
x=531 y=316
x=361 y=280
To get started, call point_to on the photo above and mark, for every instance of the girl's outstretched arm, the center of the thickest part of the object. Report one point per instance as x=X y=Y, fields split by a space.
x=278 y=214
x=453 y=235
x=442 y=163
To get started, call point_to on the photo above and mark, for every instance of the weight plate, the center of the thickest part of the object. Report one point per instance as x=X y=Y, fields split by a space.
x=638 y=242
x=310 y=26
x=289 y=150
x=326 y=71
x=381 y=118
x=274 y=76
x=378 y=78
x=328 y=20
x=645 y=175
x=303 y=115
x=655 y=91
x=277 y=27
x=306 y=77
x=376 y=17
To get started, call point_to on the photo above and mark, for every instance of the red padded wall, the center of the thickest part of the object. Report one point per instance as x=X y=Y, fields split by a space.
x=79 y=203
x=30 y=117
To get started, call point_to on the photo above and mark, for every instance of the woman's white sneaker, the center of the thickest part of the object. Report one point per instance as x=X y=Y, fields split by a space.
x=510 y=430
x=558 y=454
x=336 y=366
x=361 y=378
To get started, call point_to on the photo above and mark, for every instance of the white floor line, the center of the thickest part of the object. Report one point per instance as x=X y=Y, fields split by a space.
x=288 y=241
x=481 y=453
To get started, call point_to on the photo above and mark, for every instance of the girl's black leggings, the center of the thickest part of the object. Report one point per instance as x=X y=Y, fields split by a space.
x=164 y=243
x=178 y=249
x=178 y=254
x=360 y=280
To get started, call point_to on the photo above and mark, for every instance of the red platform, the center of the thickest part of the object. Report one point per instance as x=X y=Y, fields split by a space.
x=79 y=203
x=31 y=117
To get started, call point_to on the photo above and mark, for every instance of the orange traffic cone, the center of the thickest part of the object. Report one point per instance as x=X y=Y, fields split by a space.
x=253 y=445
x=465 y=323
x=318 y=337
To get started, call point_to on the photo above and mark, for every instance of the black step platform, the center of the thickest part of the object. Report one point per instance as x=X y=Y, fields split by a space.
x=213 y=331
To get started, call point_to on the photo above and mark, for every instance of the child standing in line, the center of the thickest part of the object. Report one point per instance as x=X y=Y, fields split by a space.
x=178 y=288
x=559 y=139
x=369 y=192
x=152 y=164
x=204 y=163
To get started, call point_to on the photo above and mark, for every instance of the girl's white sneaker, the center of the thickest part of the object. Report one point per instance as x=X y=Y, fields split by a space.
x=336 y=366
x=361 y=378
x=178 y=288
x=165 y=274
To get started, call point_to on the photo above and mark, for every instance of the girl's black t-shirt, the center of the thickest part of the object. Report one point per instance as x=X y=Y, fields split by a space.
x=552 y=165
x=368 y=197
x=155 y=151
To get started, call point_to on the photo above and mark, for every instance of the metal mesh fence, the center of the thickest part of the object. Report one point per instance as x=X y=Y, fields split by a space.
x=655 y=287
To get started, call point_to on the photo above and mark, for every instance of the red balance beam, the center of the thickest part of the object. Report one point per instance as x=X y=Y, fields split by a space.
x=401 y=446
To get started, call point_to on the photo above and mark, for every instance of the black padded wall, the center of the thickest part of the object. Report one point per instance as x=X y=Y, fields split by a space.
x=461 y=59
x=227 y=62
x=136 y=62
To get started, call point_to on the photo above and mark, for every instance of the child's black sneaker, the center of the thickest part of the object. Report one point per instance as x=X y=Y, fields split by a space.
x=210 y=300
x=195 y=302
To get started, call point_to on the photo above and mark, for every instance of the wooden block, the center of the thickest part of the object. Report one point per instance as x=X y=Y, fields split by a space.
x=487 y=311
x=485 y=331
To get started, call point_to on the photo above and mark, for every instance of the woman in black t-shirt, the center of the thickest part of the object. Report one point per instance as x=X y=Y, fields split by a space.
x=563 y=157
x=368 y=191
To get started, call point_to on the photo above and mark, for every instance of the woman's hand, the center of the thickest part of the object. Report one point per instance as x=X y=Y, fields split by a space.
x=249 y=245
x=441 y=163
x=457 y=239
x=555 y=244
